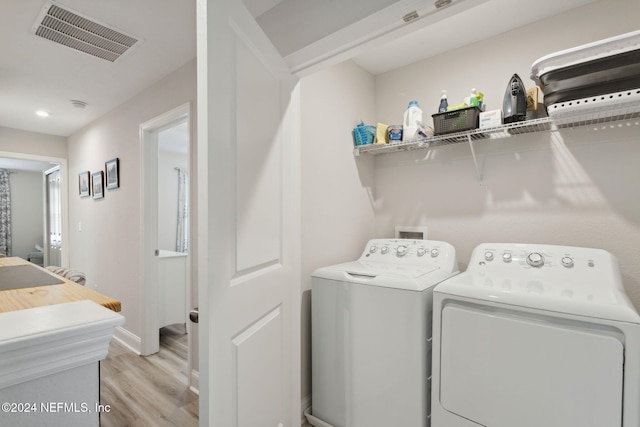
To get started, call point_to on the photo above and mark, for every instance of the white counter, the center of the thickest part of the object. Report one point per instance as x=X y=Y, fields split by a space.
x=49 y=371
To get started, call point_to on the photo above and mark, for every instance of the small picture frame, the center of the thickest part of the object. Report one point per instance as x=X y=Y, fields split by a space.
x=98 y=184
x=112 y=168
x=84 y=184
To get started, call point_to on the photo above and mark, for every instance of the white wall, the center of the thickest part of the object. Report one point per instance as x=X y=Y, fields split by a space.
x=337 y=213
x=489 y=64
x=108 y=247
x=32 y=143
x=573 y=187
x=27 y=211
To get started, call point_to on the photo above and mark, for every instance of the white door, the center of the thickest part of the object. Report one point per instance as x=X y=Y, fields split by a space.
x=248 y=224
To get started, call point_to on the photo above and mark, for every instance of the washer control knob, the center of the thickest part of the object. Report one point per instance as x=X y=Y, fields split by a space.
x=507 y=257
x=373 y=249
x=384 y=250
x=534 y=259
x=435 y=252
x=402 y=250
x=421 y=251
x=567 y=261
x=488 y=255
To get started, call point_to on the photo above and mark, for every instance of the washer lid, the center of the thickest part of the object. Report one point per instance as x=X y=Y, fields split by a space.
x=397 y=271
x=595 y=299
x=581 y=281
x=398 y=276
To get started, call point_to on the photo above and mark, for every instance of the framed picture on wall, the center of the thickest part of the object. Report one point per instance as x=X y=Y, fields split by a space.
x=84 y=186
x=113 y=173
x=98 y=184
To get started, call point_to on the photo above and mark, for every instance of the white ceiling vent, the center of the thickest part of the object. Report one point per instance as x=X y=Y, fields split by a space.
x=69 y=28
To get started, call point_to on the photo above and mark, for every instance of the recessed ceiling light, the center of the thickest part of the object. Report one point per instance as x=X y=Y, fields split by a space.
x=42 y=113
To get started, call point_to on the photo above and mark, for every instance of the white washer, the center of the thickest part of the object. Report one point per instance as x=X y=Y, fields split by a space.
x=371 y=334
x=535 y=335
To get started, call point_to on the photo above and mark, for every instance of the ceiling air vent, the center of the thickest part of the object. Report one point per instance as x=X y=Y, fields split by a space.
x=61 y=25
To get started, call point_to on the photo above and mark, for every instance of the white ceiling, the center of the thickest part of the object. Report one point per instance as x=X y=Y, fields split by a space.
x=482 y=21
x=311 y=34
x=39 y=74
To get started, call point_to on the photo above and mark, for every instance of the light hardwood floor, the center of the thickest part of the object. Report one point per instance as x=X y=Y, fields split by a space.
x=148 y=391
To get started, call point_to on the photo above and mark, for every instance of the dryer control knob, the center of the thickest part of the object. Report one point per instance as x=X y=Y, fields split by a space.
x=435 y=252
x=535 y=259
x=567 y=261
x=507 y=257
x=373 y=249
x=488 y=255
x=421 y=251
x=384 y=250
x=402 y=250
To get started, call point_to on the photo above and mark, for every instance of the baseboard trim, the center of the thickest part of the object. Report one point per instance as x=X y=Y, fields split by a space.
x=128 y=339
x=194 y=382
x=316 y=422
x=305 y=407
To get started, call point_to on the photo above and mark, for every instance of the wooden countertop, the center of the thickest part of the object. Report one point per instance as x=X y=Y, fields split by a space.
x=38 y=296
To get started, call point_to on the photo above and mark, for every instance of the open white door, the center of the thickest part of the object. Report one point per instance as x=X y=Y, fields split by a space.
x=248 y=224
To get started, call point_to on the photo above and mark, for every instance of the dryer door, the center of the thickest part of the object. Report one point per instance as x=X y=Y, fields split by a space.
x=504 y=369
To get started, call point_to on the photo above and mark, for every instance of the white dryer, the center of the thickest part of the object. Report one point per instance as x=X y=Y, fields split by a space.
x=535 y=335
x=371 y=334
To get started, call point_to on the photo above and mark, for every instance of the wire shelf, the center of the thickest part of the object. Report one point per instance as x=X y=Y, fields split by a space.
x=562 y=117
x=502 y=131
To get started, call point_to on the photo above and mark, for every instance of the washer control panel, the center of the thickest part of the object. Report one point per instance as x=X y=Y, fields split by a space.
x=563 y=279
x=507 y=257
x=407 y=251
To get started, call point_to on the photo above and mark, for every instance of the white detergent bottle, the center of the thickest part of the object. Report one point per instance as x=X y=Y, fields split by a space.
x=473 y=98
x=412 y=121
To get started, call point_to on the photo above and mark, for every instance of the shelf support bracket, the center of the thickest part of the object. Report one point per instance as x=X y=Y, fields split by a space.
x=475 y=160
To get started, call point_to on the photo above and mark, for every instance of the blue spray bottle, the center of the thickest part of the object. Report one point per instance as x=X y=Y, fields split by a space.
x=443 y=103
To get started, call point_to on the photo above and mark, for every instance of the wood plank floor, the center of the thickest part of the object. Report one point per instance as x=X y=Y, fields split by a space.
x=148 y=391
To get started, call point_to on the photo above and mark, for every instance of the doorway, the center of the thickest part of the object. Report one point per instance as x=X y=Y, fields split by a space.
x=29 y=164
x=166 y=217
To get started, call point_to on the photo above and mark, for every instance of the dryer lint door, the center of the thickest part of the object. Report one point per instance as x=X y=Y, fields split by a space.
x=505 y=369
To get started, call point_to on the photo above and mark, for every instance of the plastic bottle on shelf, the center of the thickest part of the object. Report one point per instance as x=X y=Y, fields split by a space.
x=412 y=121
x=442 y=108
x=473 y=98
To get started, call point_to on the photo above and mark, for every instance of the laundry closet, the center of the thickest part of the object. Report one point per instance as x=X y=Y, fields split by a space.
x=575 y=186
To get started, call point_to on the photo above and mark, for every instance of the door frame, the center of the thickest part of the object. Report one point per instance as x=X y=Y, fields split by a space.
x=150 y=341
x=64 y=195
